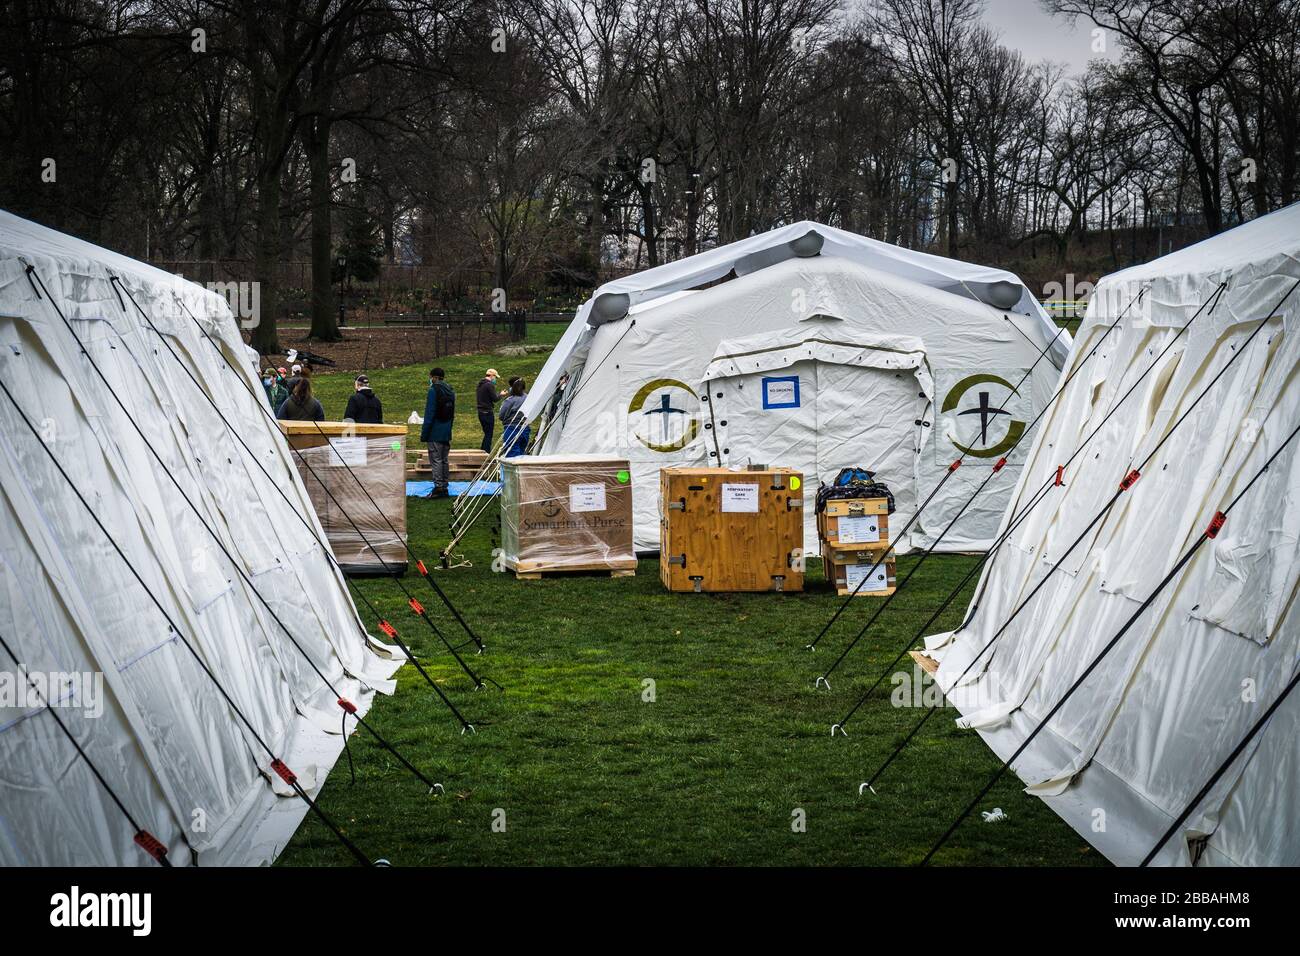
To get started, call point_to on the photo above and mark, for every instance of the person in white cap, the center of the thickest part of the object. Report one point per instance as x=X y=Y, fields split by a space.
x=486 y=397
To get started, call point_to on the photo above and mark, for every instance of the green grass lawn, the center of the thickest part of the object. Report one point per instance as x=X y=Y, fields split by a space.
x=711 y=772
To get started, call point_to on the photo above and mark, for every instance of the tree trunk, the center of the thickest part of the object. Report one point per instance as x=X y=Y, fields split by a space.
x=266 y=259
x=324 y=315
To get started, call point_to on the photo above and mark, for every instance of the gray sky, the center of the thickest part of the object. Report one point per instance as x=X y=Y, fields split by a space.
x=1025 y=26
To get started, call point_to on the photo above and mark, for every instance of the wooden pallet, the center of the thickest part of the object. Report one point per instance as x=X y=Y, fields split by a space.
x=463 y=464
x=539 y=573
x=927 y=664
x=558 y=571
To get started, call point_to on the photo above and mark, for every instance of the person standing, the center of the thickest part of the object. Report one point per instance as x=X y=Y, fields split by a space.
x=364 y=407
x=301 y=405
x=279 y=390
x=514 y=438
x=439 y=410
x=486 y=398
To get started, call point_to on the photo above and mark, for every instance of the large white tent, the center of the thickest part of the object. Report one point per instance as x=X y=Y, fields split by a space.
x=167 y=742
x=1129 y=751
x=811 y=348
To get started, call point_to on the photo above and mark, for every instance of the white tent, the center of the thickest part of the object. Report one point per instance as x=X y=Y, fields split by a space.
x=824 y=350
x=1131 y=748
x=166 y=741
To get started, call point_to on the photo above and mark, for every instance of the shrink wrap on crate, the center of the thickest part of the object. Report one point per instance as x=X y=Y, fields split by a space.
x=365 y=527
x=566 y=513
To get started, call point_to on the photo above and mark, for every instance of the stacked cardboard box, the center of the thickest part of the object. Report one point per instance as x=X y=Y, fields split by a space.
x=355 y=477
x=725 y=530
x=854 y=534
x=566 y=513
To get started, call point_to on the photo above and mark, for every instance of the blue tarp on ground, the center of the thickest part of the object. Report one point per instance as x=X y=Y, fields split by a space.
x=418 y=489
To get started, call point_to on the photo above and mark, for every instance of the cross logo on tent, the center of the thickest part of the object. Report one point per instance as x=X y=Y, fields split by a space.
x=987 y=412
x=666 y=423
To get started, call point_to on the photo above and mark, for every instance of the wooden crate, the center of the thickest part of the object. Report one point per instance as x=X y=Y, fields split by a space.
x=845 y=568
x=724 y=530
x=860 y=524
x=334 y=455
x=566 y=513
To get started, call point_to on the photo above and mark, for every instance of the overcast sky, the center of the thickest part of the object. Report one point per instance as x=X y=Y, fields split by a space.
x=1025 y=26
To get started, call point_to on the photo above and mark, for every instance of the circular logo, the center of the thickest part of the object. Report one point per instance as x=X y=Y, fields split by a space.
x=664 y=415
x=984 y=409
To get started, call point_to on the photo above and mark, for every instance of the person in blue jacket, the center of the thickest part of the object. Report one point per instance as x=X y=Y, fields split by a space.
x=515 y=436
x=439 y=410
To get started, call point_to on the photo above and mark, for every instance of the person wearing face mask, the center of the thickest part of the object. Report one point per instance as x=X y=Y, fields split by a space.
x=276 y=392
x=439 y=411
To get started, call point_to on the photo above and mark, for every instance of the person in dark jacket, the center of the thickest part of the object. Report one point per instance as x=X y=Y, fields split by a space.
x=486 y=397
x=439 y=411
x=301 y=405
x=515 y=436
x=364 y=407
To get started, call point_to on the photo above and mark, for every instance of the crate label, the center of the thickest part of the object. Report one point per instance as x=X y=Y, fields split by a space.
x=740 y=498
x=859 y=529
x=347 y=451
x=587 y=497
x=856 y=573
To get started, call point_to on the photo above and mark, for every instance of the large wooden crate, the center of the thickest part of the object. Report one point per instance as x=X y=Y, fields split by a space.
x=855 y=524
x=566 y=513
x=724 y=530
x=367 y=536
x=846 y=568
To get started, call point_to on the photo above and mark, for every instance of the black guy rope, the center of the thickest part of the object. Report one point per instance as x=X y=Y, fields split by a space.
x=343 y=702
x=1035 y=499
x=1223 y=768
x=278 y=766
x=474 y=513
x=953 y=467
x=1211 y=530
x=143 y=838
x=384 y=624
x=1128 y=481
x=405 y=543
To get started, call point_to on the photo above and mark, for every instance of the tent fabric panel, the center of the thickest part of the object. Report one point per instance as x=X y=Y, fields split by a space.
x=1195 y=671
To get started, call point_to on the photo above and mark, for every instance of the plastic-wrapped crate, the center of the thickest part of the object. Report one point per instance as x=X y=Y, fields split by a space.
x=725 y=530
x=566 y=513
x=334 y=455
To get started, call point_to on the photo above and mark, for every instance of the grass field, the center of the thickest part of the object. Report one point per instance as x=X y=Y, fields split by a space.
x=584 y=770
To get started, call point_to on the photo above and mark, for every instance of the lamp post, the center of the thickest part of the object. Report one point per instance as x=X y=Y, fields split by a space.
x=342 y=263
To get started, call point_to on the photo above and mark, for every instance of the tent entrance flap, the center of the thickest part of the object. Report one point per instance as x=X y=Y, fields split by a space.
x=818 y=408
